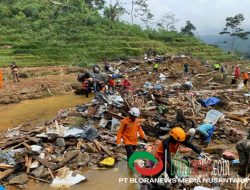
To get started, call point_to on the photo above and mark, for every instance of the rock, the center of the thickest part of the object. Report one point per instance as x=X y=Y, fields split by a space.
x=60 y=142
x=64 y=115
x=19 y=179
x=38 y=172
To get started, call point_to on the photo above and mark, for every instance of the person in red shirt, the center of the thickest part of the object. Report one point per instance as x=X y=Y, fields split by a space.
x=126 y=84
x=111 y=83
x=236 y=72
x=128 y=130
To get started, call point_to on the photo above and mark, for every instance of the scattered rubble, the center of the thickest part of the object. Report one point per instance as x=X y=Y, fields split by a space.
x=54 y=152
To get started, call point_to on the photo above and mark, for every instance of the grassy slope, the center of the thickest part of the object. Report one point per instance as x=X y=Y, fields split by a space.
x=81 y=39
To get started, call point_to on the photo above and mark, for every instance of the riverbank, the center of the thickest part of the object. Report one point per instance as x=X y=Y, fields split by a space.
x=39 y=82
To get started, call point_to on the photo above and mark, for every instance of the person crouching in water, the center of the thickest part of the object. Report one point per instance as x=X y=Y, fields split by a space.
x=128 y=130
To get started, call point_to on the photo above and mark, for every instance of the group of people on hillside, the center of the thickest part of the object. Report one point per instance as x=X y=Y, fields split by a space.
x=15 y=73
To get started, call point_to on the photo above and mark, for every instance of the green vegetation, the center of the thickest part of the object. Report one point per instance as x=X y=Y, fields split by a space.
x=43 y=32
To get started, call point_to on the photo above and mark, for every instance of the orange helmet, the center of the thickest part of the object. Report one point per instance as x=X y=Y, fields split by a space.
x=178 y=134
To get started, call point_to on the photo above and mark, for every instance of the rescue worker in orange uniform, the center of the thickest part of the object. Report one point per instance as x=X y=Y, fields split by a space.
x=129 y=128
x=1 y=79
x=245 y=78
x=169 y=147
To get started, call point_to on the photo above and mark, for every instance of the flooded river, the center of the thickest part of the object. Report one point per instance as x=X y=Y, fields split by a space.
x=36 y=111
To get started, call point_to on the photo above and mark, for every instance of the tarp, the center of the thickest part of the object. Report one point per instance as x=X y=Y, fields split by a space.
x=212 y=101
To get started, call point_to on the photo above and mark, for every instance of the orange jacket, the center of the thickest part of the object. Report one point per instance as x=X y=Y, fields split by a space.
x=128 y=131
x=245 y=76
x=1 y=75
x=112 y=82
x=172 y=149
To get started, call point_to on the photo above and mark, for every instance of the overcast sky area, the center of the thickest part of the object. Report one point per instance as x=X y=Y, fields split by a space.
x=207 y=15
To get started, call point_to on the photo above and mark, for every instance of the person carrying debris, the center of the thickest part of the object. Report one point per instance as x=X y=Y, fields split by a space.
x=128 y=130
x=243 y=149
x=14 y=70
x=245 y=78
x=206 y=131
x=169 y=147
x=1 y=79
x=186 y=68
x=156 y=67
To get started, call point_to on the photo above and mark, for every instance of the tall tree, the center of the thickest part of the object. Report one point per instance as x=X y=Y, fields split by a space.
x=139 y=8
x=188 y=29
x=233 y=29
x=167 y=22
x=113 y=12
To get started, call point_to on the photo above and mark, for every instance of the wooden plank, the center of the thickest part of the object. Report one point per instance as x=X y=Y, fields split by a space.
x=45 y=163
x=105 y=149
x=68 y=159
x=6 y=173
x=6 y=166
x=38 y=179
x=97 y=145
x=27 y=146
x=28 y=165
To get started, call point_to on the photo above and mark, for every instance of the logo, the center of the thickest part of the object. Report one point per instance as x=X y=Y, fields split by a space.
x=185 y=167
x=158 y=164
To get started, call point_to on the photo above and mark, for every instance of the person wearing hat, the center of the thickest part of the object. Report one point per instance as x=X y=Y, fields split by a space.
x=128 y=130
x=169 y=147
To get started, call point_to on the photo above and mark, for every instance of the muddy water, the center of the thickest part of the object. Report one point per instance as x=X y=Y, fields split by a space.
x=96 y=180
x=36 y=111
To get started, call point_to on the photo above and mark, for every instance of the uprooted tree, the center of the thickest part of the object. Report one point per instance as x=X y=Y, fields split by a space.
x=188 y=29
x=167 y=22
x=233 y=29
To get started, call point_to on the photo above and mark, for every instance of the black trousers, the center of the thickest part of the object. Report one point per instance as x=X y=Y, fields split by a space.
x=130 y=150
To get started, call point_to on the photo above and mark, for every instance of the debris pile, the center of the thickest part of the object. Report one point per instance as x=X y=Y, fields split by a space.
x=56 y=152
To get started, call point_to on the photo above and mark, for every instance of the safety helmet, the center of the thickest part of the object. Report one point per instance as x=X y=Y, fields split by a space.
x=178 y=134
x=134 y=112
x=191 y=131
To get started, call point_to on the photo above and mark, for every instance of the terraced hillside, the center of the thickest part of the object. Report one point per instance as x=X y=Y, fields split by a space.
x=37 y=34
